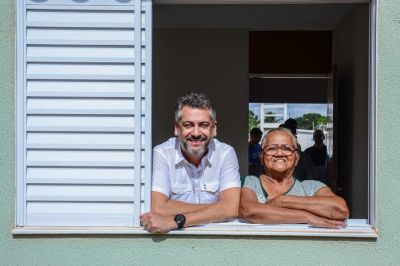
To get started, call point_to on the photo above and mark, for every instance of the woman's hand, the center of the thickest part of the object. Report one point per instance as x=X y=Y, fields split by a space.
x=318 y=221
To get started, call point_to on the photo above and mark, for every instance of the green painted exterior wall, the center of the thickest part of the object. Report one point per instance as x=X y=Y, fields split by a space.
x=180 y=250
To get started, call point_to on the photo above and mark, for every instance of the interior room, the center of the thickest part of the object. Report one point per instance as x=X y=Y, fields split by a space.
x=294 y=53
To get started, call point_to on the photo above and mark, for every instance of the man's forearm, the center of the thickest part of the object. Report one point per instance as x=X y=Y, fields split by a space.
x=173 y=207
x=215 y=212
x=331 y=207
x=226 y=207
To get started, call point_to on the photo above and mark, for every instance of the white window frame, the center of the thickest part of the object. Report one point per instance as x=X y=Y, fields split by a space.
x=357 y=228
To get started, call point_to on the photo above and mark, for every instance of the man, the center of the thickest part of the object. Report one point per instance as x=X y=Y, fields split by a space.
x=277 y=197
x=290 y=124
x=317 y=152
x=195 y=177
x=254 y=151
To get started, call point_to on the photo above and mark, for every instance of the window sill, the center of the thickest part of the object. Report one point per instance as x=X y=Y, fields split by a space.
x=356 y=228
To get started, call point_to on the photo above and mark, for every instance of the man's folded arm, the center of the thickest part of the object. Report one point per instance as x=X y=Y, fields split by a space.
x=325 y=203
x=253 y=211
x=226 y=208
x=161 y=204
x=155 y=222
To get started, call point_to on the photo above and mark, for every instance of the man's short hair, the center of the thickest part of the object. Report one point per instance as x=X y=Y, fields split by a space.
x=255 y=131
x=195 y=100
x=318 y=132
x=290 y=124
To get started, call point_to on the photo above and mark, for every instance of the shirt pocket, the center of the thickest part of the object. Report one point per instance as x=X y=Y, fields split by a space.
x=210 y=191
x=181 y=188
x=181 y=192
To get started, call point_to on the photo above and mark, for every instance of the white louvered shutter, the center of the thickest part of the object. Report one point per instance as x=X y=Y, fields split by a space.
x=86 y=133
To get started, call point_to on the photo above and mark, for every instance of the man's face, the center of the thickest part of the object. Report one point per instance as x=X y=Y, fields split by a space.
x=195 y=131
x=279 y=162
x=257 y=138
x=319 y=138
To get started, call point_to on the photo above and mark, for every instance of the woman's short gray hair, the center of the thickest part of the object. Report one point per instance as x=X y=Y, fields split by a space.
x=281 y=129
x=195 y=100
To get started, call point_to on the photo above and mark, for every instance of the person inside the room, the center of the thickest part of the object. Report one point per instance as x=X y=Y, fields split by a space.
x=255 y=167
x=277 y=197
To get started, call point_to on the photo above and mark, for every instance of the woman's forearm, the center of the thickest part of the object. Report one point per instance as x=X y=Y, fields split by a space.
x=331 y=207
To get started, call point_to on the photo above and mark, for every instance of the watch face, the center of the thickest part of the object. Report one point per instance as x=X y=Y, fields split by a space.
x=180 y=220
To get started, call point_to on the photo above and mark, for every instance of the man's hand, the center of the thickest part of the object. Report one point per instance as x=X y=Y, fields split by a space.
x=157 y=223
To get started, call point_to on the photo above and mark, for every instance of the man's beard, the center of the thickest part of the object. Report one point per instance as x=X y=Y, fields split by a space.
x=199 y=151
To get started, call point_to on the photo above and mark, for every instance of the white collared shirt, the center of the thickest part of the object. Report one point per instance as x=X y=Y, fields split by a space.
x=180 y=180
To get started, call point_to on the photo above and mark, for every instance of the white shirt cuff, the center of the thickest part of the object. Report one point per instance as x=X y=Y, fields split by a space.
x=230 y=185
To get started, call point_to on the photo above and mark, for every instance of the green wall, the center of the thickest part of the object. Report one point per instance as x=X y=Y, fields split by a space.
x=179 y=250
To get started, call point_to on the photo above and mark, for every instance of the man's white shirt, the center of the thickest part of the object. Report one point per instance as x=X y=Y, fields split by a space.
x=182 y=181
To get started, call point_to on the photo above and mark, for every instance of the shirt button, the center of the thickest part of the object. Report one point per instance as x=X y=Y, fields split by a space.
x=204 y=186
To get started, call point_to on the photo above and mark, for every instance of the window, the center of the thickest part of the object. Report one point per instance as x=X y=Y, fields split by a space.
x=85 y=129
x=274 y=113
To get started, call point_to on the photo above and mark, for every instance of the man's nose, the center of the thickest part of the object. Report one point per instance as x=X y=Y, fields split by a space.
x=196 y=131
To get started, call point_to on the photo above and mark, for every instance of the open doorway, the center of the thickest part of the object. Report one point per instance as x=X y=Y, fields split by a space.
x=205 y=48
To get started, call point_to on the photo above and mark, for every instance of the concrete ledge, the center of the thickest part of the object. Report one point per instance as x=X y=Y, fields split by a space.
x=355 y=229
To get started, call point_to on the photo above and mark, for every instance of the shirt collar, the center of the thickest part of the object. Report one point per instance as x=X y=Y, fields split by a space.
x=207 y=158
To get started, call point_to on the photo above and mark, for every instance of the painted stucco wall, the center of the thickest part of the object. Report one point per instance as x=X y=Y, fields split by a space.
x=175 y=250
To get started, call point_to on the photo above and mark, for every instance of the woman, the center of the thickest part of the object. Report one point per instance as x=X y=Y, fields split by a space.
x=276 y=197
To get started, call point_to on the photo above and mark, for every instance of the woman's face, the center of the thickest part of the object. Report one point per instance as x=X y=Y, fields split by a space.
x=279 y=154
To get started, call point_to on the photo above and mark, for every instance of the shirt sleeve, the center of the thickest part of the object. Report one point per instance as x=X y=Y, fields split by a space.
x=230 y=176
x=250 y=183
x=312 y=186
x=160 y=181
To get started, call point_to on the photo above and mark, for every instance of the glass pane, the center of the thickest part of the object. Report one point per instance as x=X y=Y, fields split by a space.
x=273 y=119
x=278 y=111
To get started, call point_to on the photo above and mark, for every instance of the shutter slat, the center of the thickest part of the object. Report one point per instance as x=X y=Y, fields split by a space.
x=81 y=4
x=80 y=123
x=104 y=158
x=79 y=19
x=86 y=193
x=80 y=106
x=79 y=71
x=86 y=54
x=101 y=176
x=80 y=141
x=80 y=89
x=68 y=36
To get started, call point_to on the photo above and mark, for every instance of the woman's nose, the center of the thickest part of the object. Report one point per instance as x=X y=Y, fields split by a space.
x=279 y=152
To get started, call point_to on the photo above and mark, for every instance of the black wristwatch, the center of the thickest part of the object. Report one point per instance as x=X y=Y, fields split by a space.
x=180 y=220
